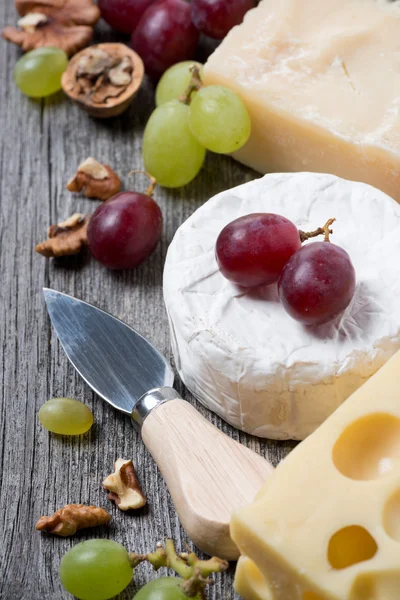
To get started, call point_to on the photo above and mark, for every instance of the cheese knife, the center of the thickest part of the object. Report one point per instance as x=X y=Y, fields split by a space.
x=208 y=474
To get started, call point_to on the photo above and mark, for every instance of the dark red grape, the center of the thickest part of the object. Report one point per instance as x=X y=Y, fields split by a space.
x=252 y=250
x=216 y=17
x=125 y=230
x=123 y=15
x=317 y=283
x=165 y=35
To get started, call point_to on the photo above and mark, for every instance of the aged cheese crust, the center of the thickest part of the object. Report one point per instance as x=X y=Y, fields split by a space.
x=239 y=352
x=322 y=85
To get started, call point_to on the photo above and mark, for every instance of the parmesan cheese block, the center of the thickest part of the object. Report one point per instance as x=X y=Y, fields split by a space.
x=326 y=526
x=321 y=80
x=239 y=352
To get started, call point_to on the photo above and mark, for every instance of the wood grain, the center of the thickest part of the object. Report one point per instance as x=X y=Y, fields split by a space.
x=41 y=145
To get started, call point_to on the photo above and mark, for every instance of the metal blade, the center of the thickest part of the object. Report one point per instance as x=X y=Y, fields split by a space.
x=117 y=362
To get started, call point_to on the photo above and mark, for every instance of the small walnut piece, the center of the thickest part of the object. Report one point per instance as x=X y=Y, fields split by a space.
x=68 y=237
x=123 y=486
x=104 y=78
x=65 y=24
x=67 y=520
x=99 y=181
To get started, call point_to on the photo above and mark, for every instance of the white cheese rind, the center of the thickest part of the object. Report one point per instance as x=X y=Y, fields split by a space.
x=239 y=352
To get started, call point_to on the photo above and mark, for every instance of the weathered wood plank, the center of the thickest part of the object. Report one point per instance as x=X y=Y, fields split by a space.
x=42 y=143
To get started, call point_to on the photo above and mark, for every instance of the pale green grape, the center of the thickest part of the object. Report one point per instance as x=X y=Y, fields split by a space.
x=66 y=416
x=175 y=81
x=170 y=152
x=219 y=120
x=38 y=73
x=96 y=570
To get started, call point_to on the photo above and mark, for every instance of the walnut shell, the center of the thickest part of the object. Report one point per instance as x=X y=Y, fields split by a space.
x=113 y=105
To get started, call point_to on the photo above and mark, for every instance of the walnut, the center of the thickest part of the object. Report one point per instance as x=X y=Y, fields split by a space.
x=68 y=237
x=67 y=520
x=65 y=24
x=99 y=181
x=104 y=78
x=124 y=487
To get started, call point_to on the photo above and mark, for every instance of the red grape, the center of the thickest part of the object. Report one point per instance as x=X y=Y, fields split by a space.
x=317 y=283
x=216 y=17
x=165 y=35
x=252 y=250
x=123 y=15
x=125 y=230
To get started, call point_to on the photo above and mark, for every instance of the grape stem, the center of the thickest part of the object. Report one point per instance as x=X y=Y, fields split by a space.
x=325 y=231
x=194 y=86
x=187 y=565
x=153 y=181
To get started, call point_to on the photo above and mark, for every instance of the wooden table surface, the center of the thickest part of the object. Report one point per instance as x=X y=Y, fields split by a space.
x=41 y=145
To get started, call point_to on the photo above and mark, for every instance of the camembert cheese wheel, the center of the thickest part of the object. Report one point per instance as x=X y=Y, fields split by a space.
x=239 y=352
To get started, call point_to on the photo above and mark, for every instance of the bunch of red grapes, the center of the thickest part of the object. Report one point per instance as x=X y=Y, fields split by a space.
x=164 y=32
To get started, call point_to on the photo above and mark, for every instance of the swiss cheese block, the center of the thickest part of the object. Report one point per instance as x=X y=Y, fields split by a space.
x=326 y=526
x=321 y=81
x=239 y=352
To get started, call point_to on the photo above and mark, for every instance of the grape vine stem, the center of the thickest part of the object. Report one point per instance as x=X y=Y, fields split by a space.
x=153 y=181
x=187 y=565
x=325 y=231
x=194 y=86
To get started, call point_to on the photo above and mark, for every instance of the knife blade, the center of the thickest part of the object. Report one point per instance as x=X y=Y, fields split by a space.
x=208 y=474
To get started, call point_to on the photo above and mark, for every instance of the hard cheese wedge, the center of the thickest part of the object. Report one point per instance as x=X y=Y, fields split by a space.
x=326 y=526
x=321 y=81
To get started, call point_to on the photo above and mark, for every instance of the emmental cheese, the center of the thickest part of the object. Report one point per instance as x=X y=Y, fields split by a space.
x=321 y=81
x=326 y=526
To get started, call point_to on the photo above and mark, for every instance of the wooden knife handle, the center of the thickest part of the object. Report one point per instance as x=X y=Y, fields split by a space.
x=208 y=474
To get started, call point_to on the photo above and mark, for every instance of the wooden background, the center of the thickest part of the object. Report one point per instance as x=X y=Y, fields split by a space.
x=41 y=145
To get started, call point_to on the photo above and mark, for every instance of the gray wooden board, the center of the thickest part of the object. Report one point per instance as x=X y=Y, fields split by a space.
x=41 y=145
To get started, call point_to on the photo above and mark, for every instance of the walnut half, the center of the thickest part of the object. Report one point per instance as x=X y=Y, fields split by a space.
x=103 y=79
x=123 y=486
x=65 y=24
x=99 y=181
x=68 y=237
x=67 y=520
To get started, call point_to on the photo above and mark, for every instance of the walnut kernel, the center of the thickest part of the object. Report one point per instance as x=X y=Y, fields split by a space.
x=99 y=180
x=123 y=486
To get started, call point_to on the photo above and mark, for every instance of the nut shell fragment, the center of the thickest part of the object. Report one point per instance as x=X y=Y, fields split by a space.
x=67 y=520
x=65 y=24
x=104 y=78
x=123 y=486
x=66 y=238
x=99 y=181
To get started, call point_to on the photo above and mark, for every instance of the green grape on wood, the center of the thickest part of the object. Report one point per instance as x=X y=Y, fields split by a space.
x=38 y=73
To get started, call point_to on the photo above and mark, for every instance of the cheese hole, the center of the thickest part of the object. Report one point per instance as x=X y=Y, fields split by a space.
x=369 y=448
x=376 y=586
x=312 y=596
x=349 y=546
x=391 y=516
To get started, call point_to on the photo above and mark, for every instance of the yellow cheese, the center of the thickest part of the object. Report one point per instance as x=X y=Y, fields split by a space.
x=326 y=525
x=321 y=80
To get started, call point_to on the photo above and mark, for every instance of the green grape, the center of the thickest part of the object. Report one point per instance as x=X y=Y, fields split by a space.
x=66 y=416
x=175 y=81
x=170 y=152
x=96 y=570
x=164 y=588
x=38 y=73
x=219 y=120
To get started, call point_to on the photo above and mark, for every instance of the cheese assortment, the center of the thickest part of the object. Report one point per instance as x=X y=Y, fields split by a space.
x=237 y=349
x=326 y=525
x=322 y=86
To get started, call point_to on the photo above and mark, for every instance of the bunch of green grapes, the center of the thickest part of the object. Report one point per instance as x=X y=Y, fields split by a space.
x=100 y=569
x=186 y=124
